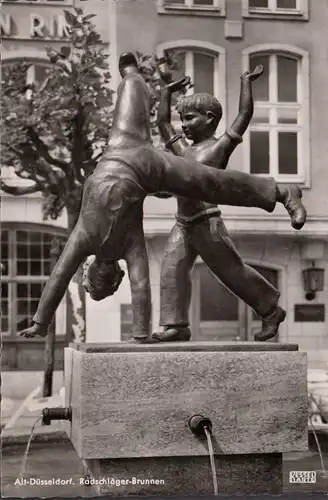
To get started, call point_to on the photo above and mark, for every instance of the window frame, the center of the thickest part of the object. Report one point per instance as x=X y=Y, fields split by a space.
x=189 y=8
x=300 y=13
x=219 y=74
x=12 y=279
x=303 y=128
x=33 y=58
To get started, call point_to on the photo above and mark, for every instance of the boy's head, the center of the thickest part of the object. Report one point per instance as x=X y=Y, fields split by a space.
x=101 y=279
x=200 y=115
x=127 y=63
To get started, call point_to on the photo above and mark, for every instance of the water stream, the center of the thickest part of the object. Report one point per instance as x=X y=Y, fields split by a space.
x=23 y=468
x=212 y=460
x=319 y=448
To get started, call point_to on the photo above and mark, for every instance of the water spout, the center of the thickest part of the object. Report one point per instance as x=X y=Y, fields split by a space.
x=212 y=460
x=22 y=471
x=202 y=427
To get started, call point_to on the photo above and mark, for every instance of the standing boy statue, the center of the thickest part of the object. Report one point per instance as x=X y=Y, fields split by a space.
x=199 y=228
x=110 y=223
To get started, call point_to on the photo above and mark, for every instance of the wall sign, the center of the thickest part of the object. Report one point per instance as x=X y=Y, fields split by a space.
x=313 y=313
x=35 y=27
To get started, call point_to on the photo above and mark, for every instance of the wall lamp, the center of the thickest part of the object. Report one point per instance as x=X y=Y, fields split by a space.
x=313 y=281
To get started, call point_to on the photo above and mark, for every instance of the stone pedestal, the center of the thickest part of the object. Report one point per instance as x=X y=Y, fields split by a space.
x=131 y=405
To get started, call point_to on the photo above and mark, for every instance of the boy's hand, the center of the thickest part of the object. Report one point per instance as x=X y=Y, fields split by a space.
x=178 y=85
x=255 y=74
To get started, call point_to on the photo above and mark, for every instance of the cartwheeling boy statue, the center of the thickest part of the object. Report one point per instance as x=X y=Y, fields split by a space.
x=199 y=229
x=111 y=216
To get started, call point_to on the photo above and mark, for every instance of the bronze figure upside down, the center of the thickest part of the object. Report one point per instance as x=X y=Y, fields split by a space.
x=110 y=220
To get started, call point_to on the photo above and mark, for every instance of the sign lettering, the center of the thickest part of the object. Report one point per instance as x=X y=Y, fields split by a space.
x=44 y=2
x=38 y=27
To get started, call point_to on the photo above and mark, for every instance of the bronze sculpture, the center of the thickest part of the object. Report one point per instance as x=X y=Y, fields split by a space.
x=199 y=228
x=110 y=221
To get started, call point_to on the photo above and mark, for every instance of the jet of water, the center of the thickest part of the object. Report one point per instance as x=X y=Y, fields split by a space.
x=22 y=471
x=319 y=449
x=213 y=468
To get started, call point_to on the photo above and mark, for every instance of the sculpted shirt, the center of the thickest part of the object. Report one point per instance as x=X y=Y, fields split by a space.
x=191 y=210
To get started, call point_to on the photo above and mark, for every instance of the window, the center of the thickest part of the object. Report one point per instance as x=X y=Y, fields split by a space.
x=200 y=67
x=278 y=140
x=204 y=63
x=279 y=8
x=26 y=258
x=217 y=303
x=216 y=7
x=36 y=70
x=217 y=314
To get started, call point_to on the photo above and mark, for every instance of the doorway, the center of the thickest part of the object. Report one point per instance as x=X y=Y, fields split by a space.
x=217 y=314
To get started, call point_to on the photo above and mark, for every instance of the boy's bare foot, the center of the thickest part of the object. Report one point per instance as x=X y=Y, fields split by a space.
x=294 y=206
x=35 y=330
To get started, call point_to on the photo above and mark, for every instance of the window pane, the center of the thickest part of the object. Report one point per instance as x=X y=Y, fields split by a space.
x=23 y=268
x=287 y=142
x=216 y=302
x=46 y=268
x=33 y=252
x=4 y=308
x=287 y=79
x=203 y=73
x=173 y=2
x=180 y=71
x=260 y=86
x=203 y=2
x=40 y=73
x=35 y=268
x=287 y=115
x=258 y=3
x=286 y=4
x=4 y=253
x=261 y=115
x=22 y=252
x=34 y=237
x=23 y=249
x=22 y=236
x=260 y=160
x=28 y=296
x=36 y=251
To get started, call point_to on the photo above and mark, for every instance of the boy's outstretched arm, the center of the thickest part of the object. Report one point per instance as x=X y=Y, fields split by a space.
x=228 y=142
x=246 y=103
x=173 y=141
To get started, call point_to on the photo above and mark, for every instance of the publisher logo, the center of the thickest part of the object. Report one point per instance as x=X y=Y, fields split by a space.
x=303 y=476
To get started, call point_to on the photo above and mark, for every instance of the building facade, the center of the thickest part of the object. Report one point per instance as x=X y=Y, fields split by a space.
x=216 y=41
